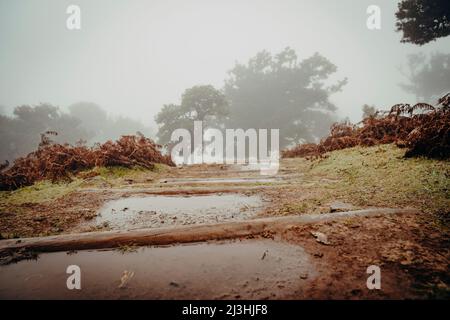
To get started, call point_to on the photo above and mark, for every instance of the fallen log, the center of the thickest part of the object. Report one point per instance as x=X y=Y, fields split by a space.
x=181 y=234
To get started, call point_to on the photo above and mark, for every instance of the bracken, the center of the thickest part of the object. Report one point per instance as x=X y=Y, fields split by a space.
x=423 y=129
x=57 y=161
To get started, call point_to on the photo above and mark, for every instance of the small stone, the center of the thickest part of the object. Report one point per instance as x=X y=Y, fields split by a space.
x=339 y=206
x=320 y=237
x=303 y=276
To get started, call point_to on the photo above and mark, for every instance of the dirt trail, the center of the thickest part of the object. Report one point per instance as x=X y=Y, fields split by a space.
x=324 y=259
x=249 y=269
x=184 y=234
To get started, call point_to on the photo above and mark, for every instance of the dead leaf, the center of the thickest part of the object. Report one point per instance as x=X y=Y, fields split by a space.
x=126 y=277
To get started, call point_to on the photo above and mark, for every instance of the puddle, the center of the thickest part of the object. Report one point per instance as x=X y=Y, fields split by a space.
x=250 y=269
x=159 y=211
x=220 y=180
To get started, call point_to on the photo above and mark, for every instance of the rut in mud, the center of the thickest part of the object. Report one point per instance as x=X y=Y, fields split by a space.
x=160 y=211
x=251 y=269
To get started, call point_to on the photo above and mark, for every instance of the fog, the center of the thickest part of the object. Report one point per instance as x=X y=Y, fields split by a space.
x=132 y=57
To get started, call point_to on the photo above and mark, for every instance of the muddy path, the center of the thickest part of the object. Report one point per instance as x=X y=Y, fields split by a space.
x=291 y=262
x=248 y=269
x=286 y=263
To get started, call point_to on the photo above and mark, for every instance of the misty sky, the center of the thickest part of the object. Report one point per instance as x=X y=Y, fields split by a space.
x=131 y=57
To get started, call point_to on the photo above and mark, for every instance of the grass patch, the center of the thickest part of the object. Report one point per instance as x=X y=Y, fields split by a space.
x=41 y=191
x=380 y=176
x=309 y=204
x=161 y=168
x=45 y=190
x=118 y=176
x=118 y=172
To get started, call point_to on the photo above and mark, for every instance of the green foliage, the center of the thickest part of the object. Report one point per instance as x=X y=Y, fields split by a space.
x=423 y=21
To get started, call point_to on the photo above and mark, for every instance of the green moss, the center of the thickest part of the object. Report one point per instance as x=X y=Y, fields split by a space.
x=117 y=172
x=113 y=173
x=44 y=191
x=381 y=176
x=161 y=168
x=41 y=191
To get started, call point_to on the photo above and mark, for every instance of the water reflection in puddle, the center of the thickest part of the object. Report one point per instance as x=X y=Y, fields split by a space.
x=221 y=180
x=249 y=269
x=158 y=211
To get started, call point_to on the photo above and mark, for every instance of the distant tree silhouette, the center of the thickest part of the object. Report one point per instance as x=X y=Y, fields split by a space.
x=428 y=77
x=21 y=134
x=86 y=121
x=368 y=111
x=101 y=126
x=203 y=103
x=422 y=21
x=93 y=118
x=280 y=92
